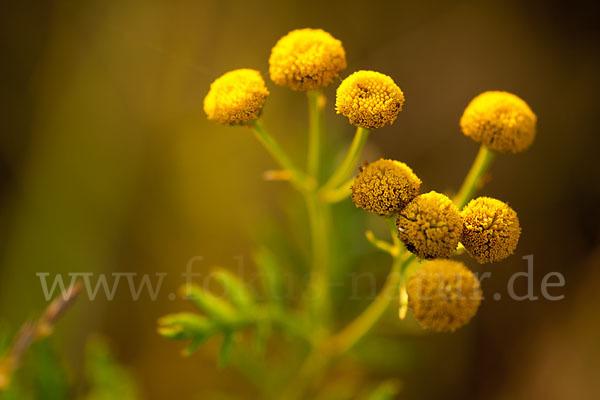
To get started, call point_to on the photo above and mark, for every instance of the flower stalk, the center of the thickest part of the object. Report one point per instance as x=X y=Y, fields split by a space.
x=339 y=194
x=315 y=122
x=298 y=178
x=358 y=328
x=318 y=215
x=472 y=182
x=319 y=296
x=350 y=160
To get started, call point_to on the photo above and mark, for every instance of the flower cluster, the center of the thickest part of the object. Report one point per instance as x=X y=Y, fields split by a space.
x=303 y=60
x=430 y=225
x=428 y=228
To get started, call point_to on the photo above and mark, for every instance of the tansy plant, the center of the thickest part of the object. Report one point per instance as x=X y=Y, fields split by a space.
x=426 y=229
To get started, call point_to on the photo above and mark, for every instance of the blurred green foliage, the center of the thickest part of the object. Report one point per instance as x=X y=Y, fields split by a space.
x=44 y=375
x=108 y=380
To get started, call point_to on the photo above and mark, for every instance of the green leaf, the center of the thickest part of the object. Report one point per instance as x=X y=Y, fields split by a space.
x=50 y=377
x=234 y=289
x=214 y=307
x=182 y=326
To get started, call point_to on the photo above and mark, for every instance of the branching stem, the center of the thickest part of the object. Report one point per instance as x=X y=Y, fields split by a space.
x=298 y=178
x=349 y=162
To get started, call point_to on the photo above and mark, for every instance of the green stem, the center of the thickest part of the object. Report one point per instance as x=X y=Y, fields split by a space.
x=297 y=177
x=318 y=215
x=413 y=266
x=315 y=122
x=338 y=194
x=290 y=323
x=358 y=328
x=322 y=355
x=319 y=296
x=391 y=223
x=311 y=371
x=380 y=244
x=472 y=182
x=319 y=299
x=349 y=162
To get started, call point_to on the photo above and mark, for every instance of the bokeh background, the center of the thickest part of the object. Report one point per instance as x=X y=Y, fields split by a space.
x=108 y=164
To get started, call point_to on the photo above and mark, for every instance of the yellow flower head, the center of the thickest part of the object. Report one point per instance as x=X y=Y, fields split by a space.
x=236 y=97
x=444 y=295
x=369 y=99
x=306 y=59
x=491 y=229
x=385 y=187
x=430 y=226
x=499 y=120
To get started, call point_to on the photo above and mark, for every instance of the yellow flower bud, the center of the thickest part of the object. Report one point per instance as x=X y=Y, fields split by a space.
x=385 y=187
x=430 y=226
x=444 y=295
x=499 y=120
x=306 y=59
x=369 y=99
x=491 y=229
x=236 y=97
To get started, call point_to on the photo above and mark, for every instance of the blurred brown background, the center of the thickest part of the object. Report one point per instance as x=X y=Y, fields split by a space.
x=107 y=163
